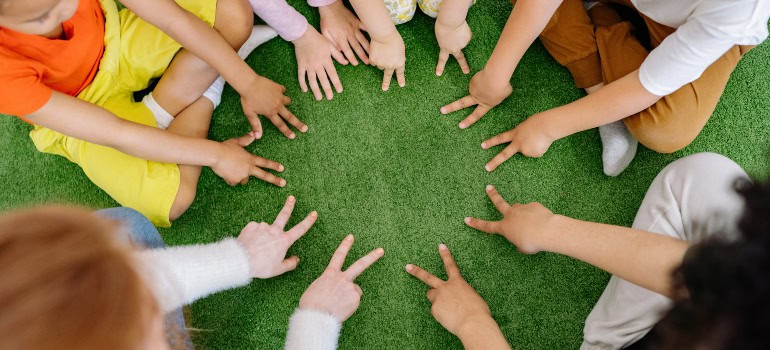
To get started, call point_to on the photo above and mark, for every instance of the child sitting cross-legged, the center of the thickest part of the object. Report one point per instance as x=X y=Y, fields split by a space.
x=71 y=67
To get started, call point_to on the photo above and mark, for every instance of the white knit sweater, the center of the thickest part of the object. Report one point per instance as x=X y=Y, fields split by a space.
x=182 y=275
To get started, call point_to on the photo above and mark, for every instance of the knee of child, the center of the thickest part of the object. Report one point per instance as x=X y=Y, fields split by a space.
x=235 y=19
x=182 y=201
x=659 y=139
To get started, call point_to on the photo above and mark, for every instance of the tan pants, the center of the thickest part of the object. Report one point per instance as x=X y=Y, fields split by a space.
x=691 y=199
x=601 y=47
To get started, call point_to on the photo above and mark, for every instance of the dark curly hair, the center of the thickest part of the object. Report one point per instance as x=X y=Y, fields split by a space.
x=722 y=289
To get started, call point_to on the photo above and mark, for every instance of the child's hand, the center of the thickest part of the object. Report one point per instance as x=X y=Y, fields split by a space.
x=314 y=58
x=486 y=91
x=521 y=225
x=389 y=55
x=334 y=292
x=452 y=41
x=343 y=28
x=235 y=165
x=455 y=304
x=266 y=244
x=267 y=98
x=527 y=138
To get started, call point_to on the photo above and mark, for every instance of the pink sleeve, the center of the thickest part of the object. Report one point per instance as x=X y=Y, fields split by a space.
x=279 y=15
x=319 y=3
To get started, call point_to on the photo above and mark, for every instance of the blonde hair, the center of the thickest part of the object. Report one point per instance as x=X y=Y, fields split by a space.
x=69 y=282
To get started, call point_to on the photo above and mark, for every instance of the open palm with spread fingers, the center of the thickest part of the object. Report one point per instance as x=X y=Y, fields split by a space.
x=526 y=138
x=485 y=92
x=524 y=225
x=266 y=244
x=335 y=292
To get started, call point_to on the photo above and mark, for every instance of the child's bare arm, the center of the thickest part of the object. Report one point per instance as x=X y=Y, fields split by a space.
x=386 y=50
x=534 y=136
x=88 y=122
x=492 y=84
x=452 y=33
x=257 y=96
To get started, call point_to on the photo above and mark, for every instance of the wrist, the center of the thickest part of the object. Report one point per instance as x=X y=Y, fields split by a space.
x=330 y=8
x=472 y=326
x=548 y=239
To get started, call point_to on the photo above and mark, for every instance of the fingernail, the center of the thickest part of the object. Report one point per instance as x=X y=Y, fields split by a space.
x=442 y=110
x=486 y=167
x=442 y=246
x=484 y=145
x=380 y=251
x=257 y=135
x=304 y=128
x=409 y=267
x=283 y=183
x=490 y=187
x=349 y=238
x=314 y=213
x=467 y=220
x=291 y=198
x=280 y=168
x=462 y=126
x=401 y=85
x=292 y=136
x=438 y=74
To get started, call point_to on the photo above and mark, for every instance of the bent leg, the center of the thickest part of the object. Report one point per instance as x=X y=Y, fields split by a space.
x=675 y=120
x=569 y=38
x=691 y=199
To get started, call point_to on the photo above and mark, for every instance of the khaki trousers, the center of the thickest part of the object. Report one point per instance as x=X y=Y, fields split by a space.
x=601 y=47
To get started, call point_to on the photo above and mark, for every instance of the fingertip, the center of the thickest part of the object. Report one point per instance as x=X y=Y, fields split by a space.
x=467 y=220
x=483 y=145
x=490 y=187
x=409 y=267
x=380 y=251
x=292 y=136
x=304 y=128
x=443 y=110
x=257 y=135
x=349 y=238
x=488 y=168
x=290 y=199
x=314 y=213
x=280 y=168
x=282 y=183
x=442 y=247
x=462 y=126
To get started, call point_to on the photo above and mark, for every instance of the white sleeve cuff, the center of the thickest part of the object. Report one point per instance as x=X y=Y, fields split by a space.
x=312 y=330
x=181 y=275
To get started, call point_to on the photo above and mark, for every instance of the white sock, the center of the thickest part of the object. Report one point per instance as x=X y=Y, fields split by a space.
x=618 y=147
x=162 y=118
x=259 y=35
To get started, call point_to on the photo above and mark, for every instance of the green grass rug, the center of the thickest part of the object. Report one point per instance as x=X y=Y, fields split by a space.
x=389 y=168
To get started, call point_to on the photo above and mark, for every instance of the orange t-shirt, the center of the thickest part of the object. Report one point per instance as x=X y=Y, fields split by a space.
x=32 y=66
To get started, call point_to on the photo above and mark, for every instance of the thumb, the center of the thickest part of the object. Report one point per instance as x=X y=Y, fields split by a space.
x=289 y=264
x=245 y=140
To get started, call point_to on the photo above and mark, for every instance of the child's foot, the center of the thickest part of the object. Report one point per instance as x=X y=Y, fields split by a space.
x=259 y=35
x=618 y=147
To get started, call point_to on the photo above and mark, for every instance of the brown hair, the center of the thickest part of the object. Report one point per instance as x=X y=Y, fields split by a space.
x=68 y=281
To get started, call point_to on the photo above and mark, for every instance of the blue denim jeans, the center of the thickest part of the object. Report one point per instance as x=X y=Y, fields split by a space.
x=144 y=234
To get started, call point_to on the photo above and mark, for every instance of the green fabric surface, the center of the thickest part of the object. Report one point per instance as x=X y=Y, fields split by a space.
x=387 y=167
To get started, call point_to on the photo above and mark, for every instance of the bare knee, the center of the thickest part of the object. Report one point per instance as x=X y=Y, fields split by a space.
x=183 y=200
x=234 y=21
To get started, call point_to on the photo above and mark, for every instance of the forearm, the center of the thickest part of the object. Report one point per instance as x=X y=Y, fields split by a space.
x=526 y=22
x=85 y=121
x=375 y=18
x=197 y=37
x=453 y=13
x=613 y=102
x=180 y=275
x=483 y=334
x=643 y=258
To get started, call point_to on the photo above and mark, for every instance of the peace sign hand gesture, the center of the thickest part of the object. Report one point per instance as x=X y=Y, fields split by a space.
x=334 y=292
x=266 y=245
x=455 y=302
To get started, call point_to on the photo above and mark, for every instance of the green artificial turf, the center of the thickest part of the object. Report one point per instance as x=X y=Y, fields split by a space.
x=389 y=168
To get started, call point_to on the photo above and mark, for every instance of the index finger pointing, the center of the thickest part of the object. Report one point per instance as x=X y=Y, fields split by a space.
x=425 y=276
x=339 y=255
x=362 y=264
x=300 y=229
x=462 y=61
x=496 y=199
x=479 y=112
x=464 y=102
x=285 y=213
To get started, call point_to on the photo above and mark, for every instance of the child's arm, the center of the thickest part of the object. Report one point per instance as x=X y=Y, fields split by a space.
x=386 y=51
x=492 y=85
x=343 y=28
x=642 y=258
x=313 y=51
x=534 y=136
x=205 y=43
x=88 y=122
x=452 y=33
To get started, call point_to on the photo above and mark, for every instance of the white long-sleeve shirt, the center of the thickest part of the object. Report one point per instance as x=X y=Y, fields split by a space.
x=705 y=30
x=182 y=275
